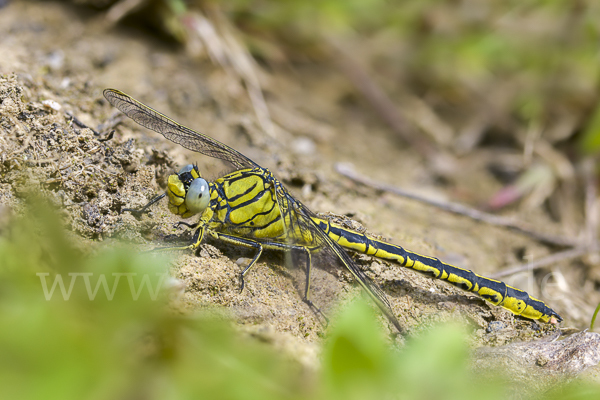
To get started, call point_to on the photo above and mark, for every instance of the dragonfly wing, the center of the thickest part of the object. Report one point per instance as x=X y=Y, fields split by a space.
x=302 y=230
x=175 y=132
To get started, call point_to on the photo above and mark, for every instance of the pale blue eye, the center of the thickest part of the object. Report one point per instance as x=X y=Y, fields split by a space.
x=197 y=196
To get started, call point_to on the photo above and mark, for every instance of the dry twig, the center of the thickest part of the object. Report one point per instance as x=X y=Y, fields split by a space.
x=225 y=50
x=543 y=262
x=121 y=9
x=563 y=241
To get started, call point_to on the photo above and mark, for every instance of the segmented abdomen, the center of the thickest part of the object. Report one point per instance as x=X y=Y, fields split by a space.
x=496 y=292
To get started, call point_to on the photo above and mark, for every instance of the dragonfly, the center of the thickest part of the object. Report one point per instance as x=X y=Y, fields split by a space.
x=251 y=208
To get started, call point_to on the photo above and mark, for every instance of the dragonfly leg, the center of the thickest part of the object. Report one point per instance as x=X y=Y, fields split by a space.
x=144 y=209
x=308 y=301
x=307 y=284
x=181 y=223
x=244 y=243
x=196 y=240
x=259 y=249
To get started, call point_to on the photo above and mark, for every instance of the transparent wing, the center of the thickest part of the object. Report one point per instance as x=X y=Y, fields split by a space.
x=186 y=137
x=302 y=230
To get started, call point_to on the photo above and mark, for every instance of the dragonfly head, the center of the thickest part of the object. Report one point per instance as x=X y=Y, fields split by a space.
x=188 y=192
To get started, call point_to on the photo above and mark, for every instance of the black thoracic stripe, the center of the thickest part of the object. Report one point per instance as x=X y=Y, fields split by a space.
x=266 y=212
x=250 y=189
x=220 y=194
x=249 y=202
x=252 y=217
x=271 y=222
x=256 y=227
x=242 y=175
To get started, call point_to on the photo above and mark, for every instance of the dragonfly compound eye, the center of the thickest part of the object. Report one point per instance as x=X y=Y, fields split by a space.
x=197 y=196
x=185 y=169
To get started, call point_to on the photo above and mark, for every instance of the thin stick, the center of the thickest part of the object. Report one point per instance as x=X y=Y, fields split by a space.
x=121 y=9
x=542 y=262
x=224 y=49
x=348 y=171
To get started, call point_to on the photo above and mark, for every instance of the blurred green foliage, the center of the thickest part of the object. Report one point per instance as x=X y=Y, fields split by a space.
x=120 y=348
x=590 y=143
x=357 y=364
x=139 y=347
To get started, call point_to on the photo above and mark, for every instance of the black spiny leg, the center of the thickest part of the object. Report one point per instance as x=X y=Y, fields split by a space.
x=258 y=246
x=145 y=208
x=180 y=223
x=250 y=265
x=196 y=240
x=245 y=243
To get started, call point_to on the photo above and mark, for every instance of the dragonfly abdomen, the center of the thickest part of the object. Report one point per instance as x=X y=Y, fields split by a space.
x=496 y=292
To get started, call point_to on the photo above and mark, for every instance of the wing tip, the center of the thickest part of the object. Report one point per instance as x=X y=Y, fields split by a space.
x=110 y=93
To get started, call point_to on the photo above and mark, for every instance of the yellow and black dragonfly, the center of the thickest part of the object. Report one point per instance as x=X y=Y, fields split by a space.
x=251 y=208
